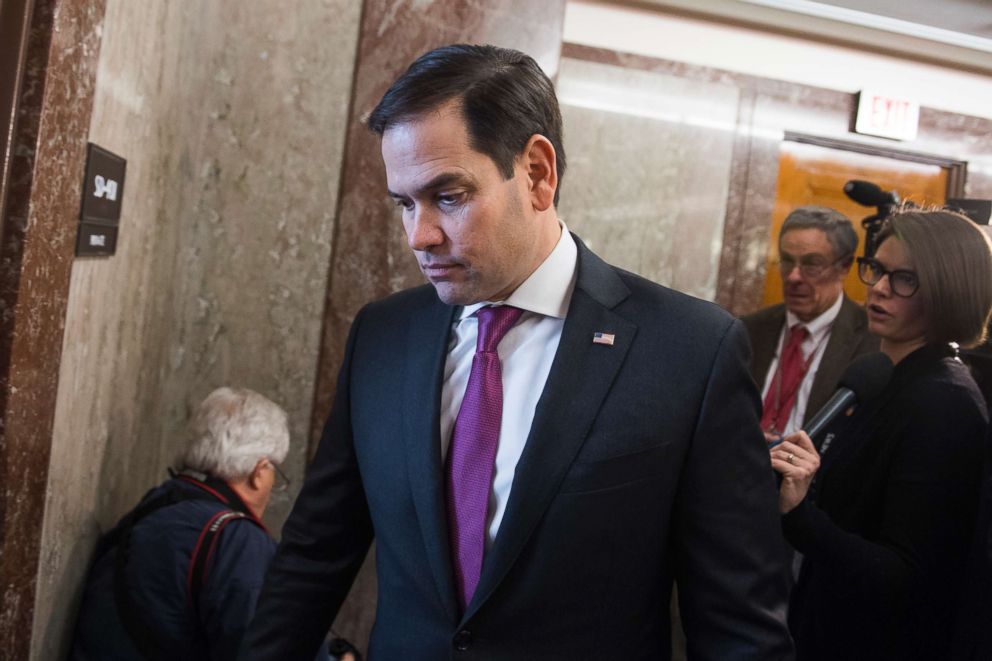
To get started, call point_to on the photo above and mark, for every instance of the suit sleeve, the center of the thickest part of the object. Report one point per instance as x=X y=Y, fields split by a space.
x=731 y=562
x=323 y=544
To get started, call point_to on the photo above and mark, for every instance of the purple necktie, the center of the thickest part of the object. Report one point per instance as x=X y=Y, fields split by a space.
x=472 y=453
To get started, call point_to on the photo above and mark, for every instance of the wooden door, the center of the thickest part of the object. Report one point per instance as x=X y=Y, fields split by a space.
x=816 y=174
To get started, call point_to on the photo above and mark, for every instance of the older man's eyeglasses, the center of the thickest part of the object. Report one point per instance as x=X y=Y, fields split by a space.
x=902 y=282
x=281 y=482
x=810 y=266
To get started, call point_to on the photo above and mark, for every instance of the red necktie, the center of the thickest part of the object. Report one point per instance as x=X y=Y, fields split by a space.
x=782 y=392
x=474 y=441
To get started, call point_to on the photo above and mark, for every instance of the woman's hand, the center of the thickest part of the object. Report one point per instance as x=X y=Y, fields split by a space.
x=797 y=461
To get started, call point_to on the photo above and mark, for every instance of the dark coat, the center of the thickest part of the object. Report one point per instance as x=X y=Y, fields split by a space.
x=160 y=550
x=973 y=634
x=849 y=338
x=644 y=464
x=886 y=531
x=973 y=639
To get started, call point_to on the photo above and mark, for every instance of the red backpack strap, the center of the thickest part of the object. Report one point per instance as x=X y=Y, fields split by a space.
x=203 y=552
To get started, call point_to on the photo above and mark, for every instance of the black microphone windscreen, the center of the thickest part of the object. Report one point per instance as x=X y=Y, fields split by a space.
x=866 y=193
x=867 y=376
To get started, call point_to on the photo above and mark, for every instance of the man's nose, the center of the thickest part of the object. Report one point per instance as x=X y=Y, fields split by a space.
x=422 y=229
x=794 y=274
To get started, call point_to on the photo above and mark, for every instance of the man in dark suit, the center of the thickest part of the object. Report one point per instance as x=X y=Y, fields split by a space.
x=817 y=325
x=539 y=443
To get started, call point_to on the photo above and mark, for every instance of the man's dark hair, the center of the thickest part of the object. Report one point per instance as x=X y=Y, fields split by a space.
x=505 y=99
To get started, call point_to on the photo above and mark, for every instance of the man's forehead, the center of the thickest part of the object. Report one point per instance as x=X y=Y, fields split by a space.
x=446 y=117
x=429 y=182
x=421 y=142
x=424 y=139
x=428 y=154
x=805 y=241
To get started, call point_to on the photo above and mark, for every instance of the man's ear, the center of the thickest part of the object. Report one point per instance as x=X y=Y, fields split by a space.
x=256 y=473
x=540 y=163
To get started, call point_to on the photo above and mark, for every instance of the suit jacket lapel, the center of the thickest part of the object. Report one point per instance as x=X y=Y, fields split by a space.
x=580 y=378
x=836 y=357
x=426 y=352
x=765 y=344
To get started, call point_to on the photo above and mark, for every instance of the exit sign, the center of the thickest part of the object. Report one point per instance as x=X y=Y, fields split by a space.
x=886 y=116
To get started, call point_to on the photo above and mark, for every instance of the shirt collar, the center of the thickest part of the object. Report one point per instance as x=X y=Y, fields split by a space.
x=548 y=290
x=820 y=324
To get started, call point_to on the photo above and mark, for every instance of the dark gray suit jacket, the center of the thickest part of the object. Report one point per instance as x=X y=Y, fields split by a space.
x=849 y=338
x=644 y=464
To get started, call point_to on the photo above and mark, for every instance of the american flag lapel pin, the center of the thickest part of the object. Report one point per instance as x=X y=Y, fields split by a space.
x=603 y=338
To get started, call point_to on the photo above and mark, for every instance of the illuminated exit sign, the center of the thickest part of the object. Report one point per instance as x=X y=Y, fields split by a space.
x=886 y=116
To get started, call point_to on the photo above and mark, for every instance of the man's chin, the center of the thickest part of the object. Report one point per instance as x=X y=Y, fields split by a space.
x=454 y=294
x=804 y=313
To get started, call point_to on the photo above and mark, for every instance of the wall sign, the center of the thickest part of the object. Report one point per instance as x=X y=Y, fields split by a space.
x=886 y=116
x=100 y=212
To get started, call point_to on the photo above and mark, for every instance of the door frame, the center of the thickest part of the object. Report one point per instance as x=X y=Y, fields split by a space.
x=957 y=171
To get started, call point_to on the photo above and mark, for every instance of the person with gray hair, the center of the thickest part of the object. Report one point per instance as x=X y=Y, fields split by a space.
x=233 y=434
x=179 y=576
x=802 y=346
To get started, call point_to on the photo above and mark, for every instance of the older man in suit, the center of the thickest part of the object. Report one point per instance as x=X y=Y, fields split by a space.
x=802 y=346
x=539 y=443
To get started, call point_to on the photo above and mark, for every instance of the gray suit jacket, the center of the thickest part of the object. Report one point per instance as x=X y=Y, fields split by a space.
x=849 y=338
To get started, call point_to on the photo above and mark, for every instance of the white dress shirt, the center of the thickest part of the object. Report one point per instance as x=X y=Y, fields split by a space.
x=814 y=344
x=526 y=353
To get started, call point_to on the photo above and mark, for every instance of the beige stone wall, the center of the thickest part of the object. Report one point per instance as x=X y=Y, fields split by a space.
x=231 y=116
x=649 y=165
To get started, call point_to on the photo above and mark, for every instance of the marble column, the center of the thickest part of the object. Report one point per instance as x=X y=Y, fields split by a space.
x=232 y=117
x=370 y=258
x=36 y=254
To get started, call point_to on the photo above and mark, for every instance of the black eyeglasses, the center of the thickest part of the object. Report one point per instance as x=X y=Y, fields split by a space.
x=902 y=282
x=811 y=267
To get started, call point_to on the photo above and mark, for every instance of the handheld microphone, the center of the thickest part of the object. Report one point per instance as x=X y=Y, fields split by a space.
x=863 y=380
x=868 y=194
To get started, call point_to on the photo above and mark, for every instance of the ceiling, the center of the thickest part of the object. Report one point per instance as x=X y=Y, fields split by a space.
x=951 y=32
x=967 y=16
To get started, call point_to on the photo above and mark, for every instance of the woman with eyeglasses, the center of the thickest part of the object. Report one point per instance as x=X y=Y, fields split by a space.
x=883 y=515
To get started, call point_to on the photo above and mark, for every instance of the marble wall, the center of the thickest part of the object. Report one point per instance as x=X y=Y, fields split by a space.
x=726 y=163
x=232 y=118
x=778 y=110
x=36 y=247
x=255 y=224
x=649 y=170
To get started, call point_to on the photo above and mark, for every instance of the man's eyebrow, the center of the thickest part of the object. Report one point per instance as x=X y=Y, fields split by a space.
x=787 y=255
x=440 y=181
